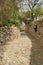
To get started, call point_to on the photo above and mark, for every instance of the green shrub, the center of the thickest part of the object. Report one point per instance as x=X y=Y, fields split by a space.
x=29 y=21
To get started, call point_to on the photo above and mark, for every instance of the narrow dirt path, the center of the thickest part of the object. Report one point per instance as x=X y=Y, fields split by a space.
x=36 y=57
x=23 y=51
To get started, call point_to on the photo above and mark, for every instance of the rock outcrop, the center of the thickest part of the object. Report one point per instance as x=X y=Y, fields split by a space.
x=8 y=34
x=36 y=29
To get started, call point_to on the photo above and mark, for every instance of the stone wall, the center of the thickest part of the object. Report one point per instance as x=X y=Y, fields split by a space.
x=8 y=34
x=36 y=29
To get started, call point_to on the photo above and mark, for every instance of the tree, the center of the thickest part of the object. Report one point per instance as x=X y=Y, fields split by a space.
x=8 y=9
x=38 y=11
x=32 y=4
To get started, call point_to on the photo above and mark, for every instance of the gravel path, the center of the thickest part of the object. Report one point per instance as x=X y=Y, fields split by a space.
x=23 y=51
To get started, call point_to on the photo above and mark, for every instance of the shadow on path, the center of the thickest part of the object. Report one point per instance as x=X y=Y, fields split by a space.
x=36 y=57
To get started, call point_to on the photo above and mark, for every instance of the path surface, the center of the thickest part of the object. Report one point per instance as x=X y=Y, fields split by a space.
x=24 y=51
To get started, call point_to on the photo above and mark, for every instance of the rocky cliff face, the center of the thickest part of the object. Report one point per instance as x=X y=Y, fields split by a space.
x=36 y=29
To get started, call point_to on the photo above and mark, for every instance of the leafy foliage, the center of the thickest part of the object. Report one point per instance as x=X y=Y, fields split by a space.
x=9 y=12
x=38 y=11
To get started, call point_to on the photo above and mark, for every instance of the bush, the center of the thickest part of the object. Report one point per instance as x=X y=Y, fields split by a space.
x=29 y=21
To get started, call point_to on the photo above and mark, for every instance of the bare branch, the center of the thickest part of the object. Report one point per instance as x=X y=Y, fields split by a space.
x=35 y=3
x=39 y=4
x=29 y=4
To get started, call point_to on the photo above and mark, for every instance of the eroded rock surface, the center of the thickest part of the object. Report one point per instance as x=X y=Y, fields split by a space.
x=8 y=34
x=36 y=29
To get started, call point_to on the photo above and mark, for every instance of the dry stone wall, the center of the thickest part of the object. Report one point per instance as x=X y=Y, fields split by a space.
x=36 y=29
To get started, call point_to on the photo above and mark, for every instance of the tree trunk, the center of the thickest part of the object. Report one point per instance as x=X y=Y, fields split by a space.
x=32 y=14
